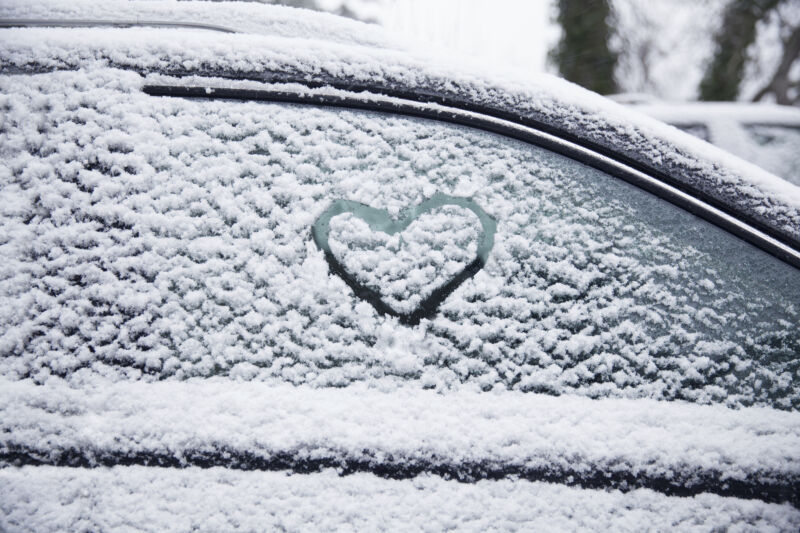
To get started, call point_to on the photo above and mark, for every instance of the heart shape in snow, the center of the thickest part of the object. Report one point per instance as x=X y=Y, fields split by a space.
x=445 y=241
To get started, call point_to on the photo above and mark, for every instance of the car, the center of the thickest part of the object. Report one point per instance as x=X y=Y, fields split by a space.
x=300 y=276
x=765 y=134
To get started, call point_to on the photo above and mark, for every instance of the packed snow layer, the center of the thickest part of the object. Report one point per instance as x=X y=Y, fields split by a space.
x=678 y=444
x=767 y=135
x=156 y=238
x=407 y=267
x=542 y=99
x=239 y=16
x=46 y=499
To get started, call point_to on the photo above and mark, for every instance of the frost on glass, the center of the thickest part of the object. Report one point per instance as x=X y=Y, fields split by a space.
x=408 y=266
x=164 y=238
x=404 y=269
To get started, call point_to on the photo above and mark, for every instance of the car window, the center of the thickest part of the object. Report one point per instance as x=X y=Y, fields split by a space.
x=777 y=149
x=168 y=238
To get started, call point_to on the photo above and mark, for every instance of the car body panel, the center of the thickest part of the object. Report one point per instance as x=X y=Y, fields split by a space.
x=122 y=198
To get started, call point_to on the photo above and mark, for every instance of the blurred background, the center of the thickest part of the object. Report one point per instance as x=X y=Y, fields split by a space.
x=677 y=50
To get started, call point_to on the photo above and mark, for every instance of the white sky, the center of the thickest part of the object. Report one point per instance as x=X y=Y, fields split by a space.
x=508 y=33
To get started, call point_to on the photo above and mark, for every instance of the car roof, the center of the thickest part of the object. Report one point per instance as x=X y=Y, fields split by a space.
x=238 y=17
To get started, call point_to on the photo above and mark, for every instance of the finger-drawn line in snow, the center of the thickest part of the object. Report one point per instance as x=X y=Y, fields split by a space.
x=380 y=220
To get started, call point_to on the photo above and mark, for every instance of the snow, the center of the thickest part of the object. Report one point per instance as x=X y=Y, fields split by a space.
x=162 y=238
x=153 y=499
x=775 y=148
x=540 y=98
x=692 y=113
x=464 y=431
x=161 y=293
x=433 y=250
x=247 y=17
x=765 y=134
x=497 y=32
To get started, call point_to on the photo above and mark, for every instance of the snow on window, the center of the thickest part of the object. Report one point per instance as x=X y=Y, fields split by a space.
x=407 y=267
x=165 y=238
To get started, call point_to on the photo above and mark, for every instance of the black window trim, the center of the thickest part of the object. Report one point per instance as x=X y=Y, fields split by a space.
x=391 y=104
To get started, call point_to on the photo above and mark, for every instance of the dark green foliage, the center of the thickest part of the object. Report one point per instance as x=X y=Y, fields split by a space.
x=583 y=55
x=724 y=73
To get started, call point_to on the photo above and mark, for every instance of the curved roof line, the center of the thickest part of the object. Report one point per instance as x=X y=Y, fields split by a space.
x=553 y=106
x=88 y=23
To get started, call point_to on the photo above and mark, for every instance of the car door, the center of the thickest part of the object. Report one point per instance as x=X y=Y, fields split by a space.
x=368 y=262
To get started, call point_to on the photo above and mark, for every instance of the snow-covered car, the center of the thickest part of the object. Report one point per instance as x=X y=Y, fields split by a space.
x=298 y=276
x=765 y=134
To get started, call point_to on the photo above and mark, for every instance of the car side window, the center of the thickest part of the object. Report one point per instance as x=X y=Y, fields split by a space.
x=168 y=238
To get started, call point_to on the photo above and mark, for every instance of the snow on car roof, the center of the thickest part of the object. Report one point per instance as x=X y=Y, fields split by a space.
x=541 y=99
x=245 y=17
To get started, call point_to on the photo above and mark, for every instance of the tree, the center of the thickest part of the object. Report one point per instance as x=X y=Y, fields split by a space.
x=724 y=74
x=783 y=88
x=583 y=55
x=663 y=45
